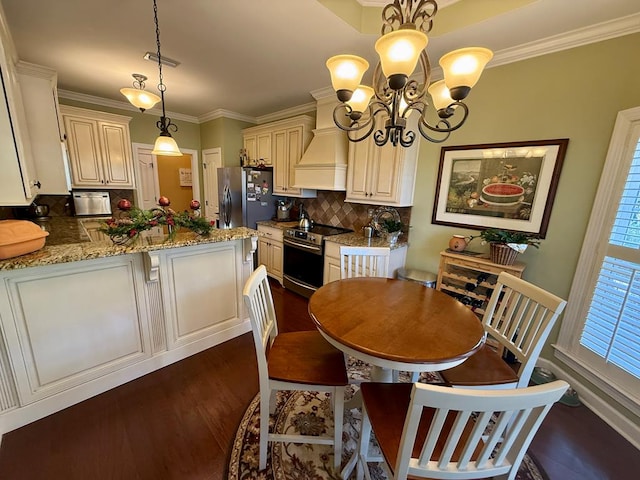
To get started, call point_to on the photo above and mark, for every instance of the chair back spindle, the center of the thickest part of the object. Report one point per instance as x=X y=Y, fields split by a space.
x=364 y=262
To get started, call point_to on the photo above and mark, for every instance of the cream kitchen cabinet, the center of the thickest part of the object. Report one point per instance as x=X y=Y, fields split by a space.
x=258 y=147
x=18 y=177
x=270 y=251
x=132 y=314
x=40 y=98
x=382 y=175
x=99 y=148
x=397 y=258
x=288 y=140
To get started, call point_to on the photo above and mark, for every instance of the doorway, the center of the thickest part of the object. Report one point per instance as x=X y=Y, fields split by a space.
x=174 y=177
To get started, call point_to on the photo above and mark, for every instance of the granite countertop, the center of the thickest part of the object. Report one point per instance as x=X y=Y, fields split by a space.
x=280 y=225
x=352 y=239
x=85 y=250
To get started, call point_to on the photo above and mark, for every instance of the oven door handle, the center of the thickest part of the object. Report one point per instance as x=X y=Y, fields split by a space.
x=313 y=248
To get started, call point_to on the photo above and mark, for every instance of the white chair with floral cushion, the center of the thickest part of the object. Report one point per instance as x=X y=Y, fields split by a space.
x=292 y=361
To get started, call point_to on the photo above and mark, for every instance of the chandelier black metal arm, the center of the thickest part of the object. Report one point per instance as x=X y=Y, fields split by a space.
x=419 y=14
x=394 y=98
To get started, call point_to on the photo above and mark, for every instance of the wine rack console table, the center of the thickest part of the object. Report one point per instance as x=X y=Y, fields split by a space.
x=471 y=279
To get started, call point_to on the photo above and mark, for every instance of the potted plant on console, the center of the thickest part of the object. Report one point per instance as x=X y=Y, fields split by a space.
x=505 y=245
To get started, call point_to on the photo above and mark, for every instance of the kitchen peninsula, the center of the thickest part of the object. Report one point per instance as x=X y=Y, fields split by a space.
x=79 y=319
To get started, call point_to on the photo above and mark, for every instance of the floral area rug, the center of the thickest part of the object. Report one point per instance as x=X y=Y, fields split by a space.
x=309 y=413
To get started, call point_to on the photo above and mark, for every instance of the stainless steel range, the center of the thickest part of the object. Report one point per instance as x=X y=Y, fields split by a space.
x=304 y=257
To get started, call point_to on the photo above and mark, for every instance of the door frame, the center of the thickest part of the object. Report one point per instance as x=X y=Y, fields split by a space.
x=195 y=169
x=204 y=177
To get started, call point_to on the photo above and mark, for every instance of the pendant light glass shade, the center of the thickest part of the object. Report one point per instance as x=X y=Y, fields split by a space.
x=166 y=145
x=360 y=98
x=346 y=72
x=140 y=98
x=440 y=95
x=399 y=51
x=463 y=67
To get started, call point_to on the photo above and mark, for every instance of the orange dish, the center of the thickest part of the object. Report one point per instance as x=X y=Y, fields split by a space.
x=19 y=237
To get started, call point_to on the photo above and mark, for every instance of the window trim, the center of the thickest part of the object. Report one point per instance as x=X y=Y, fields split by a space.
x=613 y=179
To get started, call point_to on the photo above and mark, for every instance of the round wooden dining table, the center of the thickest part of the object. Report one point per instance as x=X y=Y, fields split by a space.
x=395 y=324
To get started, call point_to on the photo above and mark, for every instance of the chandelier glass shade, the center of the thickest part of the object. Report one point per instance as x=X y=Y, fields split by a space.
x=397 y=93
x=138 y=96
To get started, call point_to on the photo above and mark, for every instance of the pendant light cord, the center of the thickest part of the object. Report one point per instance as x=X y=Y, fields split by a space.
x=161 y=86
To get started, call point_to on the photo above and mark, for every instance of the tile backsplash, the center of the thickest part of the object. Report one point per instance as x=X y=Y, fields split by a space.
x=62 y=205
x=330 y=208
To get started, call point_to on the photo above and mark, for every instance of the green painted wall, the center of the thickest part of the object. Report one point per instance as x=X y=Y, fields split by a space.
x=573 y=94
x=227 y=134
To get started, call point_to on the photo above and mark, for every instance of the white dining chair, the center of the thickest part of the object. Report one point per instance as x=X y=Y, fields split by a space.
x=519 y=316
x=295 y=361
x=431 y=431
x=364 y=262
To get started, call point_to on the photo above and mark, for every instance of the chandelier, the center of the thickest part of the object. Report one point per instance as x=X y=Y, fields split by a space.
x=395 y=96
x=164 y=144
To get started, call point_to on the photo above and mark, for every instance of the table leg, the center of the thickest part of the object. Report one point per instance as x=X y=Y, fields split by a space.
x=379 y=374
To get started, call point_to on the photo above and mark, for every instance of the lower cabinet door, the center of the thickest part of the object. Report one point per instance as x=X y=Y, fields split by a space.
x=203 y=292
x=76 y=322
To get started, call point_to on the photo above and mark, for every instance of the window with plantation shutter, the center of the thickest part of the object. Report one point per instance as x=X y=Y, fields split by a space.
x=600 y=334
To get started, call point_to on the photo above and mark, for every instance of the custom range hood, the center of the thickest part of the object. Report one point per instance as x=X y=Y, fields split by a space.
x=323 y=165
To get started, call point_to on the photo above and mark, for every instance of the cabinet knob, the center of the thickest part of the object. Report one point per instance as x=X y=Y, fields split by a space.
x=37 y=184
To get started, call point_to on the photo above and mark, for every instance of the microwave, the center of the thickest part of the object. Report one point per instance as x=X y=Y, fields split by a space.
x=91 y=203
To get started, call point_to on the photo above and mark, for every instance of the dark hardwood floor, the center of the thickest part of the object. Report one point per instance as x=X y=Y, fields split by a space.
x=179 y=422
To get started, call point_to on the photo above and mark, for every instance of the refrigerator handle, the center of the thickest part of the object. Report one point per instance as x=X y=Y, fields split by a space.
x=226 y=206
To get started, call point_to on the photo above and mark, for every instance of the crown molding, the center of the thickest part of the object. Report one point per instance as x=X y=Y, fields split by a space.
x=222 y=113
x=565 y=41
x=287 y=113
x=34 y=70
x=105 y=102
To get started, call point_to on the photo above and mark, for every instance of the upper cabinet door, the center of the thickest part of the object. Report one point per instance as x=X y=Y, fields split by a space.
x=264 y=148
x=84 y=151
x=39 y=94
x=358 y=172
x=280 y=169
x=116 y=157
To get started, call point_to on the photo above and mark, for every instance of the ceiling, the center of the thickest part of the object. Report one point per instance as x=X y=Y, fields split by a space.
x=256 y=57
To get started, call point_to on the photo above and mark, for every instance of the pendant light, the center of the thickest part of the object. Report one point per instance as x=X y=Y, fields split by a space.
x=395 y=95
x=138 y=96
x=165 y=144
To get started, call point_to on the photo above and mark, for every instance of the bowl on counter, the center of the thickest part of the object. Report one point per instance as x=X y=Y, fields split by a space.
x=19 y=237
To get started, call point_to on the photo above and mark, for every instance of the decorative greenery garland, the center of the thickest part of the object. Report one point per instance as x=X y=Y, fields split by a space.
x=133 y=221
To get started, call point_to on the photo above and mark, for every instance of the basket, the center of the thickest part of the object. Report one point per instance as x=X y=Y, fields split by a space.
x=502 y=254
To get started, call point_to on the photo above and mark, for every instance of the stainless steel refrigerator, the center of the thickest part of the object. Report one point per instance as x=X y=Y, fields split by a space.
x=245 y=196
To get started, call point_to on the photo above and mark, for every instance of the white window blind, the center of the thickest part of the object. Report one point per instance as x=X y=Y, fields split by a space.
x=600 y=331
x=612 y=327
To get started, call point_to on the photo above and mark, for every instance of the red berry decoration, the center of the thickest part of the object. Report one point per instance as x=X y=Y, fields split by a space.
x=164 y=201
x=195 y=205
x=124 y=204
